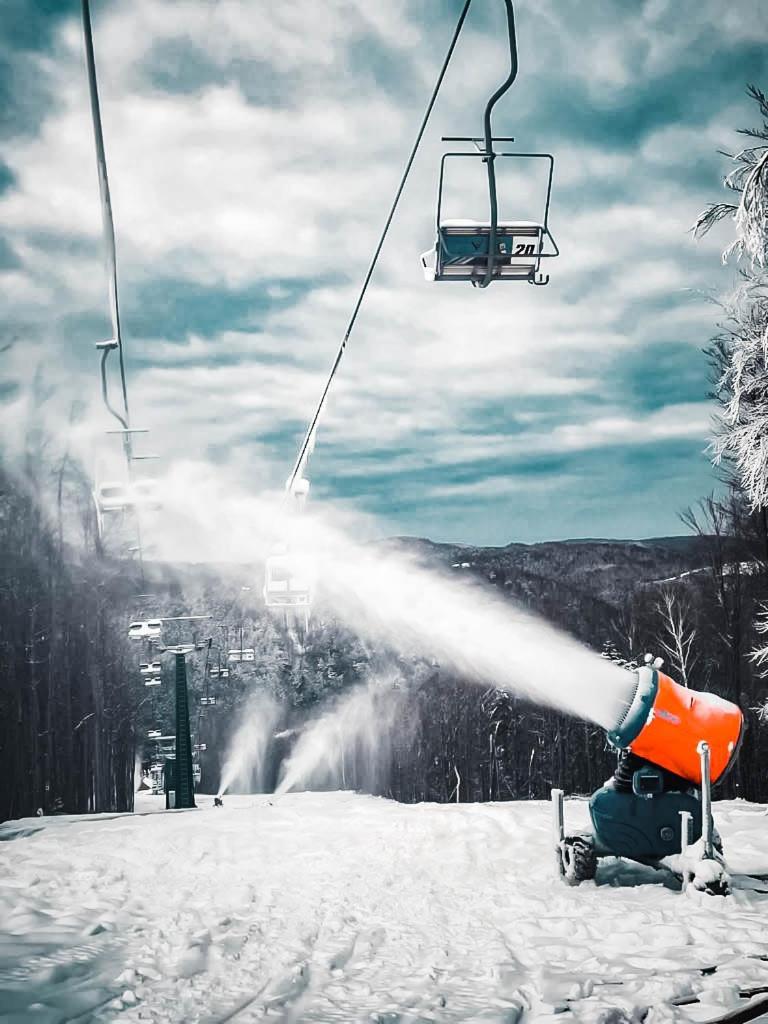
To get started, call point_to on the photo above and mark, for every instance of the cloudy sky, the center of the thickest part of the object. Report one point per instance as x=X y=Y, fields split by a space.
x=253 y=150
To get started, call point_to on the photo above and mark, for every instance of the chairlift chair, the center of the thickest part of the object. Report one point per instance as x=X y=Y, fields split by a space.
x=206 y=702
x=112 y=496
x=288 y=581
x=241 y=654
x=150 y=668
x=154 y=734
x=462 y=246
x=154 y=681
x=145 y=630
x=492 y=249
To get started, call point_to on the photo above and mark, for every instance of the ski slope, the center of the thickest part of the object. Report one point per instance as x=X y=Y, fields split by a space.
x=340 y=907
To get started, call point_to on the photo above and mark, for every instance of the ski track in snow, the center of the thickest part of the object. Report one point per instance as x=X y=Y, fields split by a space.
x=339 y=907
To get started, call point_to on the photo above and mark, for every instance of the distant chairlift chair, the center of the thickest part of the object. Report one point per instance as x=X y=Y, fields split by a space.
x=146 y=630
x=112 y=497
x=288 y=582
x=238 y=654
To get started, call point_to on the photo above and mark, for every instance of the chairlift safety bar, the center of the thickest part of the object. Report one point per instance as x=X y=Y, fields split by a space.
x=476 y=138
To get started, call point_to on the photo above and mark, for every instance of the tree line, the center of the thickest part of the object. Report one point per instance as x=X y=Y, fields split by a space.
x=74 y=712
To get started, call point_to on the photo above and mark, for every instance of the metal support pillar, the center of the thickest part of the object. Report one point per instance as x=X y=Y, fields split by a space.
x=185 y=787
x=686 y=838
x=707 y=824
x=558 y=821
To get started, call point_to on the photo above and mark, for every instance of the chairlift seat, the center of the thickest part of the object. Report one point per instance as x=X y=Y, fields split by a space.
x=154 y=681
x=145 y=493
x=145 y=630
x=461 y=250
x=242 y=654
x=112 y=496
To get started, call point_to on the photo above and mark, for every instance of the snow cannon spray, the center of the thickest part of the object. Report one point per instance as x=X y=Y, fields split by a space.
x=665 y=723
x=639 y=812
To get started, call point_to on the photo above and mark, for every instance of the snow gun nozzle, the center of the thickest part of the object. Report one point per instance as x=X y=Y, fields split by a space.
x=665 y=723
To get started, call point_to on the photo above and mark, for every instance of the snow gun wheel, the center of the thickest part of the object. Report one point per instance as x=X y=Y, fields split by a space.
x=578 y=859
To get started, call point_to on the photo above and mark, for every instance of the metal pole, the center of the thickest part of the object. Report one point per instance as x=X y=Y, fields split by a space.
x=558 y=820
x=185 y=786
x=686 y=836
x=707 y=824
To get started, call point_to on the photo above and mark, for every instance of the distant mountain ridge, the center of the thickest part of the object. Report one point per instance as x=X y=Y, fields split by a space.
x=578 y=584
x=607 y=570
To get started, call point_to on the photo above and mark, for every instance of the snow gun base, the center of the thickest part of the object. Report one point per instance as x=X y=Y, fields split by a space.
x=647 y=815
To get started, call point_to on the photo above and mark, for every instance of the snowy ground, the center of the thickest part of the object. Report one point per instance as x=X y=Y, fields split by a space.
x=336 y=907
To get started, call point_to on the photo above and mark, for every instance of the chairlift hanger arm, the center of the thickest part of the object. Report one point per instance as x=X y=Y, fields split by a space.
x=490 y=156
x=105 y=390
x=306 y=445
x=106 y=206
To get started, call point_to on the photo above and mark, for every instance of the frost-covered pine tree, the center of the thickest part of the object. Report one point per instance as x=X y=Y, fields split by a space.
x=742 y=436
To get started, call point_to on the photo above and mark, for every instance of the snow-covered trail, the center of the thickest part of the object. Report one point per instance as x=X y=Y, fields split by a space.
x=337 y=907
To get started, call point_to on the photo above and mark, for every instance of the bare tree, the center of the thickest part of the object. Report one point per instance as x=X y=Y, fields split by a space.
x=677 y=635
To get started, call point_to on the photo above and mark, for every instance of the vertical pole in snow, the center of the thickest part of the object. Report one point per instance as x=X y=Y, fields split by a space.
x=707 y=825
x=686 y=836
x=558 y=820
x=185 y=788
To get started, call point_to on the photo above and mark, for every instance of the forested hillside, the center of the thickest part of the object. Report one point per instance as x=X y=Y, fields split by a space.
x=75 y=713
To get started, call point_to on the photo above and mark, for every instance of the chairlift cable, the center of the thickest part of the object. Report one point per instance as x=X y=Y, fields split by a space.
x=306 y=445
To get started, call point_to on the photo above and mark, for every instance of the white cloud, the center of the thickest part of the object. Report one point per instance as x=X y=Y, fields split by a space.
x=216 y=188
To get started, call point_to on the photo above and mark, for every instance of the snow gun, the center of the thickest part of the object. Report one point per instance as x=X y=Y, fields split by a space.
x=673 y=744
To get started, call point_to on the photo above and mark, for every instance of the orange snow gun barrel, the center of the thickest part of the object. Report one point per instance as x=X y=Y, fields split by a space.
x=666 y=722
